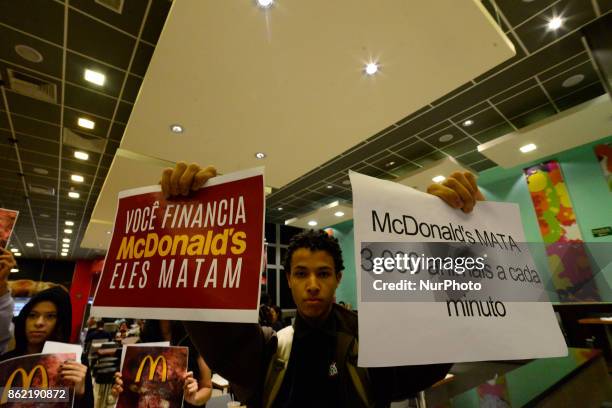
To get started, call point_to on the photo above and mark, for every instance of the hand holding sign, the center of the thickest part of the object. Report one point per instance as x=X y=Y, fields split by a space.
x=74 y=373
x=459 y=190
x=183 y=179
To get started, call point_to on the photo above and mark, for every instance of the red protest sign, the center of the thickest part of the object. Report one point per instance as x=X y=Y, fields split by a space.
x=190 y=258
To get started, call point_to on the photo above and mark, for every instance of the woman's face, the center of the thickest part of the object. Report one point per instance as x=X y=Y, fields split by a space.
x=40 y=322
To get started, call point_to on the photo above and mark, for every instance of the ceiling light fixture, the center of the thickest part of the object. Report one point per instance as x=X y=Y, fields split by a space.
x=14 y=270
x=391 y=163
x=81 y=155
x=17 y=253
x=260 y=155
x=29 y=244
x=176 y=128
x=86 y=123
x=528 y=148
x=68 y=231
x=14 y=250
x=555 y=23
x=65 y=245
x=38 y=170
x=264 y=4
x=339 y=214
x=66 y=240
x=329 y=187
x=280 y=208
x=446 y=138
x=95 y=77
x=438 y=179
x=312 y=223
x=371 y=68
x=573 y=81
x=64 y=253
x=468 y=122
x=28 y=53
x=73 y=194
x=76 y=178
x=70 y=223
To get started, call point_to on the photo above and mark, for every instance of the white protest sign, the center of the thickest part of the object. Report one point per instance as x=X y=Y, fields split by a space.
x=497 y=311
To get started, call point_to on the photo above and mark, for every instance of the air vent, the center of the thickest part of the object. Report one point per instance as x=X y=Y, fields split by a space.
x=31 y=86
x=83 y=142
x=44 y=190
x=115 y=5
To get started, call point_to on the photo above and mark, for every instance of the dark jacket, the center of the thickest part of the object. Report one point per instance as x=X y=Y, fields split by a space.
x=242 y=353
x=60 y=298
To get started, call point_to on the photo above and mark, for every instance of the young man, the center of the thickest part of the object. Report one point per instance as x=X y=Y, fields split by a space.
x=314 y=362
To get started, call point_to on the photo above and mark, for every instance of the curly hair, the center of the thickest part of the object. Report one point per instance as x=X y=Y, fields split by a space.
x=317 y=240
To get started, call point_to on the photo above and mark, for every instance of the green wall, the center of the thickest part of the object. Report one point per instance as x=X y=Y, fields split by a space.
x=588 y=190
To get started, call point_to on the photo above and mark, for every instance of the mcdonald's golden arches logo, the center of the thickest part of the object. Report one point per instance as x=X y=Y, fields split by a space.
x=26 y=379
x=152 y=367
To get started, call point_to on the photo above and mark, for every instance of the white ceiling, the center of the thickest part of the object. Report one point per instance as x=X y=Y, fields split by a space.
x=579 y=125
x=289 y=82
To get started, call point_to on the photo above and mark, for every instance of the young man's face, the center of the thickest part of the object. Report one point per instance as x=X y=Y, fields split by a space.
x=313 y=281
x=40 y=322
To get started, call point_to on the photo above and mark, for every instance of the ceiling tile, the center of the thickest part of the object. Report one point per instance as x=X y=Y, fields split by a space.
x=533 y=116
x=124 y=111
x=31 y=107
x=42 y=18
x=117 y=132
x=75 y=73
x=36 y=144
x=555 y=87
x=430 y=158
x=535 y=33
x=71 y=120
x=415 y=150
x=4 y=122
x=142 y=59
x=494 y=132
x=132 y=86
x=580 y=95
x=52 y=55
x=461 y=147
x=483 y=165
x=523 y=102
x=156 y=19
x=482 y=121
x=456 y=134
x=43 y=130
x=514 y=90
x=129 y=20
x=86 y=101
x=471 y=157
x=38 y=159
x=570 y=63
x=387 y=161
x=517 y=12
x=452 y=94
x=604 y=5
x=468 y=113
x=89 y=37
x=72 y=167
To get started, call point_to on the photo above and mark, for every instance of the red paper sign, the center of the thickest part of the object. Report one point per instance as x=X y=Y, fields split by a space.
x=189 y=258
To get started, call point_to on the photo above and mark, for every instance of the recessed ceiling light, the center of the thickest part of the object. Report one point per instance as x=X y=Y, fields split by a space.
x=86 y=123
x=28 y=53
x=371 y=68
x=312 y=223
x=176 y=128
x=81 y=155
x=73 y=194
x=70 y=223
x=329 y=187
x=265 y=3
x=94 y=77
x=280 y=208
x=67 y=240
x=68 y=231
x=338 y=213
x=573 y=81
x=528 y=148
x=29 y=244
x=14 y=270
x=555 y=22
x=77 y=178
x=38 y=170
x=446 y=138
x=468 y=122
x=346 y=182
x=391 y=163
x=14 y=250
x=65 y=245
x=64 y=254
x=260 y=155
x=17 y=253
x=438 y=179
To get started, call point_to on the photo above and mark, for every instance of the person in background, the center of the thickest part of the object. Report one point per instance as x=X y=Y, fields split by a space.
x=7 y=262
x=276 y=318
x=48 y=316
x=122 y=332
x=197 y=385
